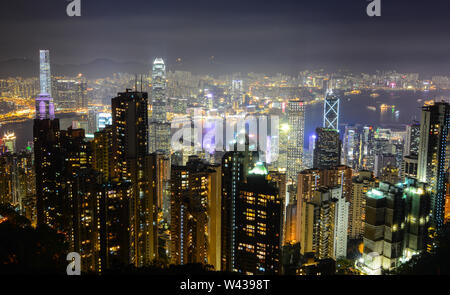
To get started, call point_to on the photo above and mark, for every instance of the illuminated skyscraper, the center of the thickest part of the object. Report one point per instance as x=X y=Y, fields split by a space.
x=434 y=126
x=47 y=153
x=396 y=225
x=45 y=74
x=296 y=118
x=235 y=167
x=417 y=208
x=159 y=85
x=134 y=164
x=361 y=185
x=383 y=229
x=159 y=132
x=324 y=223
x=45 y=108
x=159 y=128
x=309 y=181
x=258 y=234
x=331 y=111
x=195 y=213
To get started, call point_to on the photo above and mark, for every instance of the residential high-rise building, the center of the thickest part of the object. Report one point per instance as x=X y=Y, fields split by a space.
x=195 y=223
x=17 y=183
x=102 y=153
x=258 y=235
x=296 y=120
x=309 y=181
x=133 y=163
x=362 y=183
x=331 y=111
x=327 y=152
x=114 y=224
x=235 y=168
x=434 y=125
x=324 y=224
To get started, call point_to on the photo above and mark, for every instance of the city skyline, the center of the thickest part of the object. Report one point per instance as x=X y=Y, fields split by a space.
x=250 y=138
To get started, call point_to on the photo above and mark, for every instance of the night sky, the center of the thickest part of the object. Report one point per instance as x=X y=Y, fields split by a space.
x=264 y=35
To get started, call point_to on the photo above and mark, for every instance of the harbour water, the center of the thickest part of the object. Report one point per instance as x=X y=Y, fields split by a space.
x=386 y=109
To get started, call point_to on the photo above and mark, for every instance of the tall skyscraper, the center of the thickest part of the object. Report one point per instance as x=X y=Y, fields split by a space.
x=47 y=155
x=417 y=208
x=235 y=168
x=383 y=230
x=195 y=226
x=45 y=73
x=45 y=108
x=159 y=132
x=114 y=199
x=159 y=128
x=134 y=164
x=159 y=85
x=434 y=125
x=362 y=183
x=258 y=235
x=331 y=111
x=309 y=181
x=324 y=224
x=296 y=120
x=396 y=225
x=327 y=152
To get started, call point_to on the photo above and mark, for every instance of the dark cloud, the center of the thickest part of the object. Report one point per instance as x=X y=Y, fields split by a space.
x=243 y=35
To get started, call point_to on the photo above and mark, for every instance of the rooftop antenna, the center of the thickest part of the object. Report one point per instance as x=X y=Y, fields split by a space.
x=141 y=82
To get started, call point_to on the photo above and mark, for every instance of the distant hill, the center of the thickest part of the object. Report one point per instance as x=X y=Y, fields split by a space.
x=98 y=68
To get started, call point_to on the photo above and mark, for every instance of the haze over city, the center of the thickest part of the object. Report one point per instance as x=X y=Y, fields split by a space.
x=212 y=37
